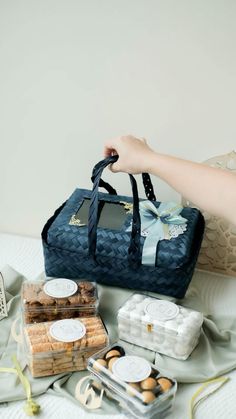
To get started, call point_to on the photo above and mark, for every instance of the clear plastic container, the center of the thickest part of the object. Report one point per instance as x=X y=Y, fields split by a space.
x=57 y=299
x=159 y=325
x=64 y=345
x=133 y=382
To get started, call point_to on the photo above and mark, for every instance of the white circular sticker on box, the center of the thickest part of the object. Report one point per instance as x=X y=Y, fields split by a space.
x=131 y=368
x=60 y=287
x=161 y=310
x=67 y=330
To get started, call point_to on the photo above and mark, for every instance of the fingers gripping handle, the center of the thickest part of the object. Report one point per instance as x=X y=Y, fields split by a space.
x=147 y=183
x=134 y=255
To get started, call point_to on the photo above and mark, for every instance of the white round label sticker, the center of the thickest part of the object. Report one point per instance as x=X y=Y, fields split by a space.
x=67 y=330
x=60 y=287
x=161 y=310
x=131 y=368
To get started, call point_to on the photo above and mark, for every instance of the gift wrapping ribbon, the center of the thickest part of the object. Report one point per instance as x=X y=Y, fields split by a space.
x=31 y=408
x=156 y=223
x=199 y=396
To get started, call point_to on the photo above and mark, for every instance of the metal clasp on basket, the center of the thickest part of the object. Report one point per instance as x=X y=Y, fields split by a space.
x=149 y=327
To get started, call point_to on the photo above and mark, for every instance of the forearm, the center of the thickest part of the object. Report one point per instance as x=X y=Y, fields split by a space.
x=211 y=189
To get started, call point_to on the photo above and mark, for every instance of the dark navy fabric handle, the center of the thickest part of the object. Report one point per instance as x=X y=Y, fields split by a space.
x=134 y=255
x=147 y=183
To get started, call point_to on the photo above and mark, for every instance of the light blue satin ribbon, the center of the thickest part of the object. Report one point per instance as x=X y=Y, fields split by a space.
x=155 y=222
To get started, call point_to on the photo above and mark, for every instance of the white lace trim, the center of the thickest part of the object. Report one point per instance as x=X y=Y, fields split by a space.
x=174 y=230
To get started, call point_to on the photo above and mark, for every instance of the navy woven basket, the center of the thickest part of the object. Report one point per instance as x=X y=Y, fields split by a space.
x=113 y=257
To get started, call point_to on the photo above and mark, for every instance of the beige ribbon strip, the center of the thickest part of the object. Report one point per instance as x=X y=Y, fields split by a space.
x=196 y=400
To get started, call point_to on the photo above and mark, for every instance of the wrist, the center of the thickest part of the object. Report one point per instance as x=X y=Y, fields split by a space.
x=153 y=161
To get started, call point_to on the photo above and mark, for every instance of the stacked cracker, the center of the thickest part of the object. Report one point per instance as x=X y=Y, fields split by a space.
x=47 y=355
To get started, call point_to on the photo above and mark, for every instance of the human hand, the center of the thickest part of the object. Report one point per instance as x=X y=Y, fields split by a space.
x=134 y=154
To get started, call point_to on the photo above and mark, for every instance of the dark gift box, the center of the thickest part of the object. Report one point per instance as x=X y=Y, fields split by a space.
x=103 y=237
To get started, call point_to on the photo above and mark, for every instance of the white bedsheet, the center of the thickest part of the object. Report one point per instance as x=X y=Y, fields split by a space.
x=218 y=292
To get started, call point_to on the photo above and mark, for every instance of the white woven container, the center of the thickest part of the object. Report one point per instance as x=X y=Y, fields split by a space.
x=159 y=325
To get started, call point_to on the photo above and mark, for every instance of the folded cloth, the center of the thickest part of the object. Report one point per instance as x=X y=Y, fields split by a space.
x=213 y=356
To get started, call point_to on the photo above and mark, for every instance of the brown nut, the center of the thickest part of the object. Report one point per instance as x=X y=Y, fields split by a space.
x=148 y=384
x=111 y=362
x=132 y=386
x=165 y=383
x=112 y=353
x=99 y=363
x=148 y=396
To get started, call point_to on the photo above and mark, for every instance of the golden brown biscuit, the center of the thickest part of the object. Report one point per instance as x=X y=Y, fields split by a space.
x=38 y=306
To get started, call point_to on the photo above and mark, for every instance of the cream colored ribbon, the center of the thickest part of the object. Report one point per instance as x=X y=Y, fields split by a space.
x=155 y=223
x=31 y=408
x=196 y=400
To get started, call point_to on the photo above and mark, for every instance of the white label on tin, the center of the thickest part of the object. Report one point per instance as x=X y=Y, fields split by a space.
x=60 y=287
x=67 y=330
x=161 y=310
x=131 y=368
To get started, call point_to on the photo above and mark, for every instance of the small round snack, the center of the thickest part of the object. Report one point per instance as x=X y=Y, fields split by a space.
x=86 y=286
x=62 y=301
x=111 y=362
x=98 y=363
x=134 y=386
x=120 y=349
x=45 y=300
x=148 y=396
x=148 y=384
x=112 y=353
x=75 y=299
x=164 y=383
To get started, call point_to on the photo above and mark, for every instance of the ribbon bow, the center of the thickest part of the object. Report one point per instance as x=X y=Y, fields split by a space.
x=156 y=224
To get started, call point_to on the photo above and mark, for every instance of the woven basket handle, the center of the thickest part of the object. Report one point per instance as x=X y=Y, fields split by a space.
x=147 y=184
x=134 y=255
